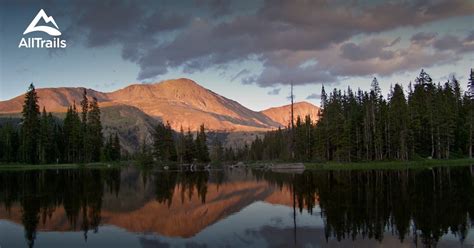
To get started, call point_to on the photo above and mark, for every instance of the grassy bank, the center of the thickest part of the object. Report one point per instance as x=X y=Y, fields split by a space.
x=389 y=165
x=376 y=165
x=13 y=167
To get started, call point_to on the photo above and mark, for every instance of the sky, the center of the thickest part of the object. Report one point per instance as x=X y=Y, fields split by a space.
x=248 y=51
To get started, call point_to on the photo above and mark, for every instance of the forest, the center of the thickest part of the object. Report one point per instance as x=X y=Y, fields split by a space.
x=169 y=146
x=41 y=138
x=426 y=120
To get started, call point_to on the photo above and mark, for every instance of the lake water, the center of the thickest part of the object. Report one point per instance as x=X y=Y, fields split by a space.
x=237 y=208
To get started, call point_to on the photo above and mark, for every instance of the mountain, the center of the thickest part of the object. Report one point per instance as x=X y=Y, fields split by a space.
x=134 y=110
x=132 y=125
x=183 y=102
x=282 y=115
x=53 y=99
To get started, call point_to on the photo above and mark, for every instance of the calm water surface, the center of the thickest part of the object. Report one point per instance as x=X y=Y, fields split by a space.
x=237 y=208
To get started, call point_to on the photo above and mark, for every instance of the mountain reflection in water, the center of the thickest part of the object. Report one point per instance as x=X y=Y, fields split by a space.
x=143 y=208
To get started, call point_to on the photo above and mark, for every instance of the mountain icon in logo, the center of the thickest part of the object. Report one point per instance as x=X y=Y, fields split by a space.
x=47 y=19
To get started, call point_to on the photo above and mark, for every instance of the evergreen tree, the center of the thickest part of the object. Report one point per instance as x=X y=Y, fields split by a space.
x=47 y=144
x=190 y=150
x=145 y=157
x=217 y=152
x=201 y=145
x=30 y=127
x=9 y=143
x=470 y=86
x=86 y=137
x=163 y=143
x=115 y=148
x=398 y=114
x=468 y=111
x=181 y=146
x=94 y=131
x=73 y=136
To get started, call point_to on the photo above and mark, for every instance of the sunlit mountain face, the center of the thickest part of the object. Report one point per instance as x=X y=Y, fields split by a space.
x=239 y=207
x=181 y=102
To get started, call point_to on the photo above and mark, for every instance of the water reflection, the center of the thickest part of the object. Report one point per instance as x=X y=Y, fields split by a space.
x=424 y=207
x=426 y=204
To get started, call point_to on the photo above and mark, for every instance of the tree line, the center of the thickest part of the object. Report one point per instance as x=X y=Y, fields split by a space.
x=169 y=146
x=40 y=138
x=428 y=121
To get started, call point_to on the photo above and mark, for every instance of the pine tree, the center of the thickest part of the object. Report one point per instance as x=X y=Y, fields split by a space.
x=398 y=112
x=145 y=157
x=43 y=137
x=72 y=132
x=47 y=144
x=30 y=127
x=94 y=127
x=201 y=145
x=77 y=137
x=87 y=149
x=469 y=113
x=217 y=152
x=470 y=86
x=9 y=140
x=107 y=153
x=435 y=121
x=421 y=103
x=181 y=146
x=115 y=148
x=163 y=143
x=190 y=150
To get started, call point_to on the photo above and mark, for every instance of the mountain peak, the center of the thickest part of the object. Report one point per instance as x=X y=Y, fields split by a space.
x=282 y=114
x=181 y=102
x=179 y=82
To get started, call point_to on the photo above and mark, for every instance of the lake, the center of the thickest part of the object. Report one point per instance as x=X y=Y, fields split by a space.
x=132 y=207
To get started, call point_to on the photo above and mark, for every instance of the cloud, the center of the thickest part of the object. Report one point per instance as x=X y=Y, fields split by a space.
x=313 y=96
x=423 y=37
x=274 y=92
x=454 y=43
x=374 y=48
x=280 y=34
x=217 y=7
x=331 y=64
x=240 y=74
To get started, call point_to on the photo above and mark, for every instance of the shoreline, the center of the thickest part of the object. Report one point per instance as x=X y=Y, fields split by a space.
x=373 y=165
x=390 y=165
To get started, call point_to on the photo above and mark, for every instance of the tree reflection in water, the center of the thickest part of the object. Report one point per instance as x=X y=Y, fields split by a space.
x=421 y=204
x=427 y=203
x=39 y=193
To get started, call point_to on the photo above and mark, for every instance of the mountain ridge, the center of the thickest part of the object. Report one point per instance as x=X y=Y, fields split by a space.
x=181 y=102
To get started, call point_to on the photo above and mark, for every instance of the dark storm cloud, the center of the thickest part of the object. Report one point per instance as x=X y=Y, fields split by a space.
x=282 y=34
x=370 y=18
x=109 y=21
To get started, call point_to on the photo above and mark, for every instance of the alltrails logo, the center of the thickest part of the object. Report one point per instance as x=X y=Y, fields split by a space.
x=38 y=42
